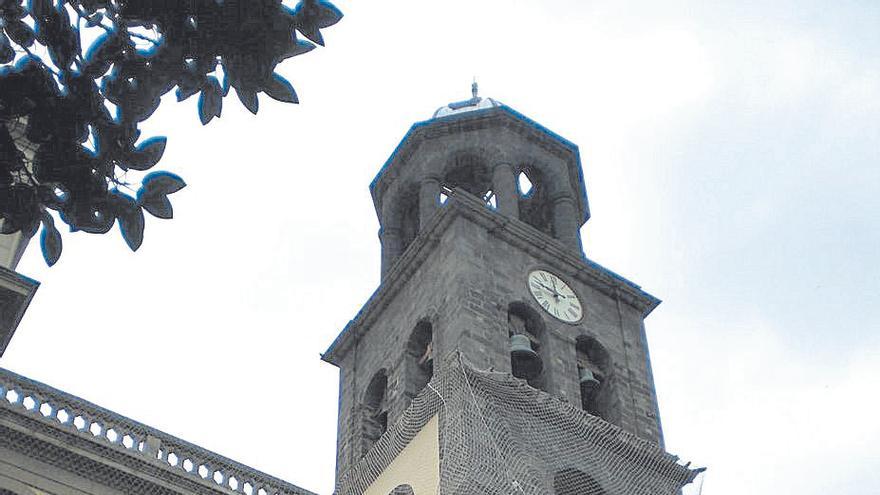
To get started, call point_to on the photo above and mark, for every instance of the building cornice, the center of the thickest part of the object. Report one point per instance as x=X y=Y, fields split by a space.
x=40 y=419
x=517 y=233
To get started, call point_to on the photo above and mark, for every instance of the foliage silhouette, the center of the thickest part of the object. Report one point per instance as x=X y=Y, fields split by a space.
x=69 y=121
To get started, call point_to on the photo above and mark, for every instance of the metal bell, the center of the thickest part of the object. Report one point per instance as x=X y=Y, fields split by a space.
x=525 y=361
x=587 y=380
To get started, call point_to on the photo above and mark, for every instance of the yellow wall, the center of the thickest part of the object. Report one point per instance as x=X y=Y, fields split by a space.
x=418 y=465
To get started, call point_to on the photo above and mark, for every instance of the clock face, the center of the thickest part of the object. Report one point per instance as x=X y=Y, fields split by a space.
x=555 y=296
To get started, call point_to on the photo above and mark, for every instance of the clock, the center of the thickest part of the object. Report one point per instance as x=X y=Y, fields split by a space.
x=555 y=296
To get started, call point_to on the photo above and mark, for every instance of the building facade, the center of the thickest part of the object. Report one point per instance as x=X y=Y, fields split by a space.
x=494 y=358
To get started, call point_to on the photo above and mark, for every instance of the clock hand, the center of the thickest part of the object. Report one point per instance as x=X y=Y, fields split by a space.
x=555 y=293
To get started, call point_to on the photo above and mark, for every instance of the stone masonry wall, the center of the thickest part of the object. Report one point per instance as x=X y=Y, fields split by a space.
x=463 y=287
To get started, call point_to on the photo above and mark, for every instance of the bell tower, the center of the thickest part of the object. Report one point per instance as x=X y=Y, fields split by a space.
x=480 y=211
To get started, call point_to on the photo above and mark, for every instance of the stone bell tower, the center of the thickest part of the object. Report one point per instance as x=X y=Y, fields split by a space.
x=480 y=211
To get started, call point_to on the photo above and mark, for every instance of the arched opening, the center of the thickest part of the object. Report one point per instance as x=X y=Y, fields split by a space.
x=535 y=207
x=575 y=482
x=375 y=410
x=469 y=173
x=526 y=330
x=593 y=365
x=419 y=358
x=402 y=490
x=524 y=184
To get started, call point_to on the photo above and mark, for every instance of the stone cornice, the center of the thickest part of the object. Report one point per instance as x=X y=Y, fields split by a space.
x=515 y=232
x=59 y=420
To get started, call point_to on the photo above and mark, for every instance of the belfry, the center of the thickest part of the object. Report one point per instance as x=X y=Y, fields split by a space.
x=495 y=357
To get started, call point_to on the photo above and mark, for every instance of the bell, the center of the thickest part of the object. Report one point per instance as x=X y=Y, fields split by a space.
x=587 y=380
x=525 y=361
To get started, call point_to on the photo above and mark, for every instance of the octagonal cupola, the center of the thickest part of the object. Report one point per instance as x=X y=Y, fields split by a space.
x=479 y=146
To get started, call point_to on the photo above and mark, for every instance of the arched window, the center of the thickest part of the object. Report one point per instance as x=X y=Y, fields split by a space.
x=526 y=330
x=419 y=358
x=469 y=172
x=593 y=369
x=575 y=482
x=375 y=410
x=402 y=490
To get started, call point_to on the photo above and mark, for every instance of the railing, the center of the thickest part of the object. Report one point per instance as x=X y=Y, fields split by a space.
x=72 y=414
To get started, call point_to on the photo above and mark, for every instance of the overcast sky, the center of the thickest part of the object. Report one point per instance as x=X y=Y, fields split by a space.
x=732 y=157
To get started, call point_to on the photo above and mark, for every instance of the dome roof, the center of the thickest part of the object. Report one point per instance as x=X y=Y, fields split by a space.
x=475 y=103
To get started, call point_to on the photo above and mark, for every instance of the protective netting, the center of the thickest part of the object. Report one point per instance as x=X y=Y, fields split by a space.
x=500 y=436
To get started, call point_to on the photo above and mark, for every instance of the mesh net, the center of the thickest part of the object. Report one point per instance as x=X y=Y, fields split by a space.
x=500 y=436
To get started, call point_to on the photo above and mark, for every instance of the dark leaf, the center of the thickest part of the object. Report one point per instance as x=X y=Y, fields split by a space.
x=52 y=195
x=184 y=92
x=311 y=16
x=311 y=32
x=153 y=193
x=162 y=183
x=157 y=205
x=248 y=98
x=190 y=82
x=50 y=240
x=327 y=14
x=41 y=8
x=98 y=220
x=278 y=88
x=54 y=31
x=147 y=153
x=20 y=33
x=298 y=47
x=101 y=53
x=210 y=101
x=7 y=54
x=131 y=219
x=95 y=19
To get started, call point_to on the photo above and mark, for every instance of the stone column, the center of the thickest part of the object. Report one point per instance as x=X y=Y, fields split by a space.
x=429 y=199
x=389 y=236
x=504 y=186
x=565 y=222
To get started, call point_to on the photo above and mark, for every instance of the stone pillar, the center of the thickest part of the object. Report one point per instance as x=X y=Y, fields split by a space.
x=389 y=236
x=504 y=186
x=565 y=222
x=429 y=199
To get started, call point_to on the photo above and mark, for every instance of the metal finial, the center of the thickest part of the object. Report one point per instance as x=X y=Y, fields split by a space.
x=474 y=88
